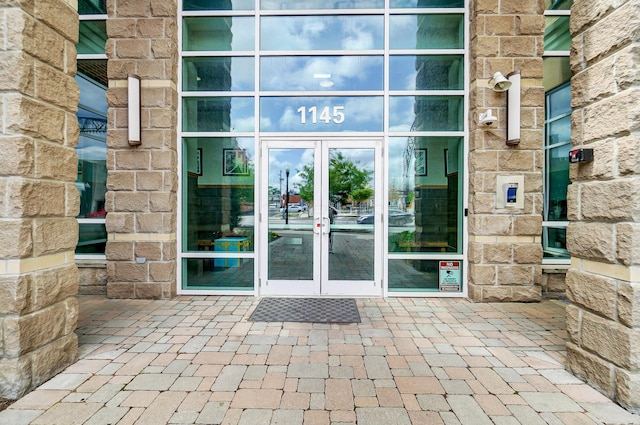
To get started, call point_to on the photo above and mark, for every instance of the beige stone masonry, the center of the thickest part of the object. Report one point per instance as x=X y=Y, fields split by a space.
x=142 y=181
x=505 y=245
x=604 y=200
x=38 y=168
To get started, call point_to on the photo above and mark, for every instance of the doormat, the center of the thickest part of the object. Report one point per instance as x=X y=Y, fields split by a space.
x=315 y=310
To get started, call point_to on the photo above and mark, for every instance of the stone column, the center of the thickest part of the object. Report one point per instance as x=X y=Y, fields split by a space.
x=603 y=283
x=505 y=252
x=142 y=180
x=38 y=197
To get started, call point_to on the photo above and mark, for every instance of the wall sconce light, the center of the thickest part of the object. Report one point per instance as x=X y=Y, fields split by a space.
x=499 y=82
x=511 y=84
x=134 y=106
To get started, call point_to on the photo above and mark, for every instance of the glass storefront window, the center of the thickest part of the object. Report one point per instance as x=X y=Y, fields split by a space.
x=218 y=74
x=320 y=4
x=426 y=113
x=556 y=33
x=92 y=161
x=217 y=4
x=218 y=34
x=413 y=275
x=230 y=274
x=426 y=31
x=217 y=114
x=303 y=73
x=557 y=4
x=218 y=197
x=425 y=4
x=92 y=239
x=322 y=32
x=92 y=7
x=557 y=146
x=557 y=70
x=93 y=37
x=411 y=72
x=321 y=114
x=425 y=186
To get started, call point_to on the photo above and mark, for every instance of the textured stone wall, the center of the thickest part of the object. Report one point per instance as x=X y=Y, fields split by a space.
x=142 y=180
x=505 y=252
x=603 y=283
x=38 y=197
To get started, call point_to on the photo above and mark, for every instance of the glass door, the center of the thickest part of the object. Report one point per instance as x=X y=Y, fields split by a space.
x=321 y=218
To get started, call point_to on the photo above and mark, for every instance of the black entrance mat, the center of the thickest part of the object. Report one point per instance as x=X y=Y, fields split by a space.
x=318 y=310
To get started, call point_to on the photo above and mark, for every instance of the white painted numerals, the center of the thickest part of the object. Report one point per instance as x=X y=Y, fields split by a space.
x=327 y=114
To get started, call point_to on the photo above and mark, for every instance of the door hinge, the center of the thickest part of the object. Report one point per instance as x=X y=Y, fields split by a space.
x=466 y=212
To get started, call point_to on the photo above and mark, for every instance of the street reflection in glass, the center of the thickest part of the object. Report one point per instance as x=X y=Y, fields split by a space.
x=424 y=194
x=291 y=237
x=352 y=214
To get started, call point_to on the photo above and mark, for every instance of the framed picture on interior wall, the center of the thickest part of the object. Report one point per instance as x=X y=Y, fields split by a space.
x=236 y=162
x=199 y=161
x=421 y=162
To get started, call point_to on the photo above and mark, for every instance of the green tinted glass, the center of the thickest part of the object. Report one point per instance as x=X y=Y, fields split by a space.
x=92 y=7
x=217 y=4
x=93 y=37
x=557 y=4
x=217 y=114
x=426 y=32
x=425 y=276
x=218 y=33
x=320 y=4
x=409 y=72
x=218 y=74
x=556 y=33
x=425 y=3
x=426 y=113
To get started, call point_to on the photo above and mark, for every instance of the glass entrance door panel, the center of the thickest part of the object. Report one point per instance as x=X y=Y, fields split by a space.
x=350 y=194
x=320 y=218
x=291 y=239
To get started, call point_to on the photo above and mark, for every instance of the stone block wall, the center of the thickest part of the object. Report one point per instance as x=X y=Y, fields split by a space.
x=505 y=251
x=142 y=180
x=603 y=283
x=38 y=197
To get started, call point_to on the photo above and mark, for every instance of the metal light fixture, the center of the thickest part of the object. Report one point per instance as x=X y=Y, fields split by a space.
x=499 y=82
x=511 y=84
x=133 y=110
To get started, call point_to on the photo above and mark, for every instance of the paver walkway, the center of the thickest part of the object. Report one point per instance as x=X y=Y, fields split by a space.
x=197 y=360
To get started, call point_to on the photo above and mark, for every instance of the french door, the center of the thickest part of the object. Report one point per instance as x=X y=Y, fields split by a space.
x=321 y=218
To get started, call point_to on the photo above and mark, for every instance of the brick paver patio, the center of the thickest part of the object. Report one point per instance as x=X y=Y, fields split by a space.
x=197 y=360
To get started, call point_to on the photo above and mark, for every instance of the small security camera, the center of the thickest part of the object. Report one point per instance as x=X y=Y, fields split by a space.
x=487 y=118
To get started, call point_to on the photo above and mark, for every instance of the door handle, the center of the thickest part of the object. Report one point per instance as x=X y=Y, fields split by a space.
x=326 y=225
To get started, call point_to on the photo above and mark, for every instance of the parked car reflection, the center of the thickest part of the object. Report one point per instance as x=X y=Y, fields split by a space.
x=396 y=218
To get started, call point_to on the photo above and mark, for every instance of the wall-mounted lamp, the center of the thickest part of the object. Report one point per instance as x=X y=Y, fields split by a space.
x=499 y=82
x=511 y=84
x=133 y=92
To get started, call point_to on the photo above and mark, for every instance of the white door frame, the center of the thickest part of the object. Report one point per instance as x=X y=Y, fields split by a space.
x=320 y=285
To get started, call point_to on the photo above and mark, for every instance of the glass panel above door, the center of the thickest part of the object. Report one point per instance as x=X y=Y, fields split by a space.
x=321 y=114
x=303 y=73
x=322 y=32
x=426 y=31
